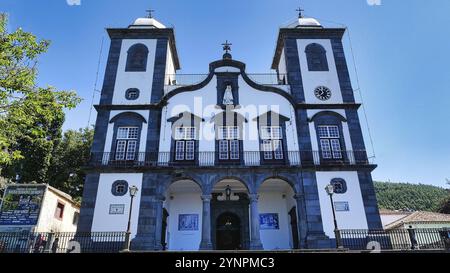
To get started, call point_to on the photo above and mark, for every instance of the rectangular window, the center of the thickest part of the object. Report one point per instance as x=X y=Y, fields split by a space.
x=185 y=133
x=179 y=153
x=190 y=150
x=223 y=149
x=59 y=212
x=185 y=143
x=228 y=142
x=330 y=142
x=126 y=147
x=272 y=142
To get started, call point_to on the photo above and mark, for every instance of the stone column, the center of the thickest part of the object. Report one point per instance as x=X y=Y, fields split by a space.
x=255 y=238
x=159 y=204
x=302 y=220
x=206 y=243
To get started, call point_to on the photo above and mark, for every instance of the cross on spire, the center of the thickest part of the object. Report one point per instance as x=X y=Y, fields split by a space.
x=150 y=11
x=300 y=12
x=227 y=46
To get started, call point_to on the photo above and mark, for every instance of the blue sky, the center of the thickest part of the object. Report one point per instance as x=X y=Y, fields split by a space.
x=401 y=50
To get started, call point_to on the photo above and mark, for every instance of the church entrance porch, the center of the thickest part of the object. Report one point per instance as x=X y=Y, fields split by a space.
x=228 y=232
x=230 y=216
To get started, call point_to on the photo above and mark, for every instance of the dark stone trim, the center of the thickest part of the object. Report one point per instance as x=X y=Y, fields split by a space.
x=328 y=106
x=128 y=115
x=88 y=202
x=275 y=167
x=327 y=113
x=146 y=33
x=370 y=201
x=293 y=70
x=112 y=65
x=159 y=70
x=182 y=115
x=101 y=129
x=342 y=71
x=154 y=131
x=303 y=33
x=231 y=63
x=129 y=107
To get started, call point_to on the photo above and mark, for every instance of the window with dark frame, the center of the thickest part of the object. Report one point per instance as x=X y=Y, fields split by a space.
x=316 y=57
x=127 y=141
x=185 y=143
x=339 y=185
x=228 y=137
x=59 y=212
x=272 y=142
x=132 y=94
x=137 y=58
x=330 y=141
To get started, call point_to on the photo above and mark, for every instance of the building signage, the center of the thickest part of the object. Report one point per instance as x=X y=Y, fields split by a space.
x=21 y=205
x=341 y=206
x=117 y=209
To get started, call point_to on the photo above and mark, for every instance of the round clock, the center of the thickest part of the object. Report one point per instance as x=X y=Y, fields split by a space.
x=323 y=93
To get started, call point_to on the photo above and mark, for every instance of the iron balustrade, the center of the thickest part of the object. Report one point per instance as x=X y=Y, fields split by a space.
x=212 y=159
x=192 y=79
x=397 y=239
x=61 y=242
x=113 y=242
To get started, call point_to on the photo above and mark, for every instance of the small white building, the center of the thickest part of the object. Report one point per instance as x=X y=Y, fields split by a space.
x=37 y=208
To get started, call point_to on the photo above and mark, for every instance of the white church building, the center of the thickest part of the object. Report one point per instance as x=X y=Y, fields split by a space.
x=228 y=160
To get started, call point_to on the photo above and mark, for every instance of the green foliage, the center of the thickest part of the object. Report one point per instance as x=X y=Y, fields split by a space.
x=68 y=159
x=445 y=206
x=402 y=196
x=30 y=117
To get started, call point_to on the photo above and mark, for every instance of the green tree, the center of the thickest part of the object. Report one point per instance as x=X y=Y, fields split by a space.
x=402 y=196
x=70 y=156
x=445 y=206
x=30 y=117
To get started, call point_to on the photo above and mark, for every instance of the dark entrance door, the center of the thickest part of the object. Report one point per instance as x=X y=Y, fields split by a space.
x=294 y=227
x=228 y=232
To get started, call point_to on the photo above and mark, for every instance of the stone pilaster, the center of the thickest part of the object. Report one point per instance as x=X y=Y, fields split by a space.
x=206 y=243
x=255 y=237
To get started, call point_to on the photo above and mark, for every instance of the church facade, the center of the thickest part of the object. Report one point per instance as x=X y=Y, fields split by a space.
x=228 y=160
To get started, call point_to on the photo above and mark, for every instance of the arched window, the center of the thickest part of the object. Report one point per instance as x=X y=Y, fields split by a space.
x=317 y=58
x=137 y=58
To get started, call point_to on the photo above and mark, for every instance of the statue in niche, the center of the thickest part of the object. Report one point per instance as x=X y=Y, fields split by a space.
x=228 y=96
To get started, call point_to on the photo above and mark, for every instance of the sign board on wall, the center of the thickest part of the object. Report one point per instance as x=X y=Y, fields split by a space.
x=21 y=205
x=341 y=206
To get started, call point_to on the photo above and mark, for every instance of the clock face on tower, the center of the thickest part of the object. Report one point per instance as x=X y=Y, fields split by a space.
x=323 y=93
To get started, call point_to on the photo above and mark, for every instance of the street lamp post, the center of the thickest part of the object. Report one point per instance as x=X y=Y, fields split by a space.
x=330 y=190
x=133 y=191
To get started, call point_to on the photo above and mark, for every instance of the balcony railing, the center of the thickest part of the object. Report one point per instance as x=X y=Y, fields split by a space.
x=113 y=242
x=192 y=79
x=61 y=242
x=211 y=159
x=396 y=239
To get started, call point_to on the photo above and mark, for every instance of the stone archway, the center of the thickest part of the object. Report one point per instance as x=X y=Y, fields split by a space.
x=183 y=205
x=235 y=204
x=278 y=214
